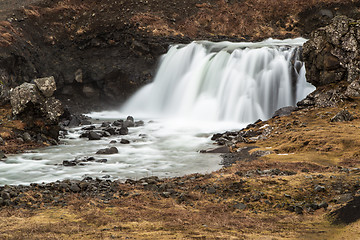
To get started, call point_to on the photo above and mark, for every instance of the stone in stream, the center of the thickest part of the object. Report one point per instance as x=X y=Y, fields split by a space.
x=128 y=123
x=110 y=130
x=2 y=154
x=111 y=150
x=118 y=123
x=124 y=141
x=139 y=123
x=105 y=124
x=94 y=136
x=123 y=131
x=222 y=149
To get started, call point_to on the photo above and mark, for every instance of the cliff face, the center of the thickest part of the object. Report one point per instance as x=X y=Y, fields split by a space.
x=332 y=59
x=102 y=51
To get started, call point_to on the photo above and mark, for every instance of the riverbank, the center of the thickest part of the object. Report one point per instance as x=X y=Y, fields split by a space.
x=293 y=187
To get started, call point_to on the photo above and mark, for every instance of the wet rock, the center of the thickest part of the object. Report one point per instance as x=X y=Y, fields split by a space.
x=106 y=124
x=111 y=150
x=47 y=85
x=67 y=163
x=124 y=141
x=105 y=134
x=342 y=116
x=89 y=128
x=118 y=123
x=139 y=123
x=128 y=124
x=2 y=154
x=223 y=149
x=94 y=135
x=123 y=131
x=110 y=130
x=113 y=142
x=101 y=160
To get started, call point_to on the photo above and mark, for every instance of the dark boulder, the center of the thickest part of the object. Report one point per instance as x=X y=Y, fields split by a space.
x=94 y=135
x=123 y=131
x=111 y=150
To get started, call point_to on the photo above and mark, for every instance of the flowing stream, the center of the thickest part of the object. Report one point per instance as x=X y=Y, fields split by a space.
x=199 y=89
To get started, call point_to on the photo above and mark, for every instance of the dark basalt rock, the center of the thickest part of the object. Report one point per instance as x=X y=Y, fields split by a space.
x=94 y=135
x=111 y=150
x=123 y=131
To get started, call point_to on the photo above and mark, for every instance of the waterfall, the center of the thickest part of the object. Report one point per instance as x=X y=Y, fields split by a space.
x=225 y=81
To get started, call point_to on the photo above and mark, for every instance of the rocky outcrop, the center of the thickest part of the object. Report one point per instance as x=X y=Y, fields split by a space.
x=35 y=105
x=332 y=54
x=332 y=59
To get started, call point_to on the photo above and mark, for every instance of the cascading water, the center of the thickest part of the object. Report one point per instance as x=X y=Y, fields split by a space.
x=200 y=88
x=237 y=82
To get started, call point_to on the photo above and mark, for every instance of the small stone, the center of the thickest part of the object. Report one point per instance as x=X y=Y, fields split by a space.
x=111 y=150
x=2 y=154
x=74 y=187
x=118 y=123
x=319 y=188
x=124 y=141
x=105 y=124
x=113 y=142
x=324 y=205
x=166 y=194
x=298 y=209
x=67 y=163
x=101 y=160
x=124 y=131
x=2 y=142
x=94 y=136
x=5 y=195
x=211 y=190
x=240 y=206
x=27 y=137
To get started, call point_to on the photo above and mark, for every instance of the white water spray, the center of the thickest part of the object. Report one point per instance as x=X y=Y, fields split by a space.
x=237 y=82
